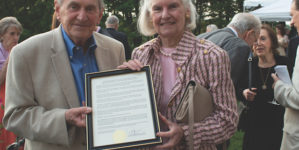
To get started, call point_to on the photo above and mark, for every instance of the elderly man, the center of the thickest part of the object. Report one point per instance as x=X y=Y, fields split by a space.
x=211 y=27
x=288 y=96
x=45 y=79
x=112 y=24
x=237 y=39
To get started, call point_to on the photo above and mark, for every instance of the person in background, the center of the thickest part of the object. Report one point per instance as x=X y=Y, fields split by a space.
x=10 y=31
x=45 y=100
x=176 y=57
x=292 y=50
x=211 y=27
x=265 y=116
x=103 y=31
x=288 y=96
x=293 y=32
x=112 y=24
x=237 y=39
x=283 y=39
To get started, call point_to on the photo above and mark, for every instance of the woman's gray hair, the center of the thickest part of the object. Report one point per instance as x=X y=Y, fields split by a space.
x=101 y=3
x=7 y=22
x=145 y=24
x=244 y=22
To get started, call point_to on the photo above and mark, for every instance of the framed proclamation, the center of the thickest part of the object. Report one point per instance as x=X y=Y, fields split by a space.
x=124 y=112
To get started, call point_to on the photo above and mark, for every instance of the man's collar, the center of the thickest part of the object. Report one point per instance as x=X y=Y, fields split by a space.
x=234 y=31
x=70 y=44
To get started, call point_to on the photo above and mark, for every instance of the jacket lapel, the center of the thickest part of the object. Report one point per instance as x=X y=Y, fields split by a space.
x=63 y=69
x=182 y=58
x=102 y=55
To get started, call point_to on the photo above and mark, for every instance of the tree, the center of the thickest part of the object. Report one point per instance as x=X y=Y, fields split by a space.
x=35 y=15
x=217 y=12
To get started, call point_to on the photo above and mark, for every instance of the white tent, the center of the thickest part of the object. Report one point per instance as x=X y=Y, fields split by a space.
x=254 y=3
x=277 y=11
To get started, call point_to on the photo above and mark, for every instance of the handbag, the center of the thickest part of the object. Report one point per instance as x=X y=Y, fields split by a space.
x=194 y=95
x=195 y=105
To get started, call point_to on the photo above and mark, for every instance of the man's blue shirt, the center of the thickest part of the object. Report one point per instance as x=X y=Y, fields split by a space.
x=81 y=62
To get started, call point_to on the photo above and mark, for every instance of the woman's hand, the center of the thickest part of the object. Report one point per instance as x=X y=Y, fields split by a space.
x=131 y=64
x=174 y=134
x=249 y=94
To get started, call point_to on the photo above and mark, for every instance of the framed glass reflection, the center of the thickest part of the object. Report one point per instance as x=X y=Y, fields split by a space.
x=124 y=112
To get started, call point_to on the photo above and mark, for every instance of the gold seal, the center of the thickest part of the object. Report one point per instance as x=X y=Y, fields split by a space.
x=119 y=136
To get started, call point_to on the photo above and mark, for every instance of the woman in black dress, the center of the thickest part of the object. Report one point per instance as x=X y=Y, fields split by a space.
x=264 y=130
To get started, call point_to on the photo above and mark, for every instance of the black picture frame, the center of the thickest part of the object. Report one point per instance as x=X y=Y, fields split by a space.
x=90 y=130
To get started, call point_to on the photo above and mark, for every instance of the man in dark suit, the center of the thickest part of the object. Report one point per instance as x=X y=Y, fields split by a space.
x=237 y=39
x=103 y=31
x=292 y=49
x=112 y=24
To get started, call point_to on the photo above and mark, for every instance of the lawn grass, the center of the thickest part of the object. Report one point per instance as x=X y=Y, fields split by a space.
x=236 y=141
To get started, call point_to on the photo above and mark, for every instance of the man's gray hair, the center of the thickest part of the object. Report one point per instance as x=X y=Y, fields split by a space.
x=101 y=3
x=112 y=20
x=212 y=27
x=145 y=24
x=7 y=22
x=244 y=22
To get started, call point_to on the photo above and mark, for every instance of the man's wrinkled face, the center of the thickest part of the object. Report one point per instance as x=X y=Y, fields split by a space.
x=79 y=18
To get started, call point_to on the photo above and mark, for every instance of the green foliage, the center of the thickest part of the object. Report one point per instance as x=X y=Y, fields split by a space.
x=217 y=12
x=35 y=15
x=236 y=141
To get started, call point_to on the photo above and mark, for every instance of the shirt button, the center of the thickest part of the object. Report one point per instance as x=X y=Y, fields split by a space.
x=179 y=69
x=202 y=41
x=71 y=57
x=205 y=51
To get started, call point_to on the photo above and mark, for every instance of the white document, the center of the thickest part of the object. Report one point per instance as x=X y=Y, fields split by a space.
x=122 y=109
x=283 y=74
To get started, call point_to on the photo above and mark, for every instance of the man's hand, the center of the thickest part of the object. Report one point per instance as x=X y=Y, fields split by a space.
x=174 y=134
x=76 y=116
x=275 y=79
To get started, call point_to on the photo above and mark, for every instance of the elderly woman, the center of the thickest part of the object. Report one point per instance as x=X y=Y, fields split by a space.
x=265 y=116
x=176 y=57
x=10 y=30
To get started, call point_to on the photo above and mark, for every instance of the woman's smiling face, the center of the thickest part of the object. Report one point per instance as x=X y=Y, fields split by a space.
x=168 y=17
x=263 y=45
